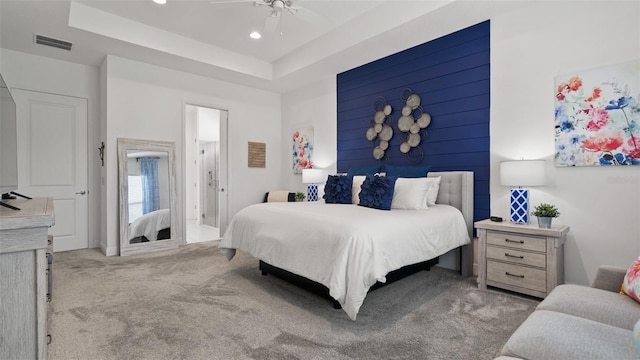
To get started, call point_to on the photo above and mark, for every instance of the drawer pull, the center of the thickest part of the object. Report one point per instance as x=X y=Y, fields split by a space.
x=514 y=256
x=510 y=274
x=514 y=241
x=49 y=339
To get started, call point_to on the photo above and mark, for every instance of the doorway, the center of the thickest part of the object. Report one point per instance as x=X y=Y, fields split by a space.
x=205 y=176
x=53 y=160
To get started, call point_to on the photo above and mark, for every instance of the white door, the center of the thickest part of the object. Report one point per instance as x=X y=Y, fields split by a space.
x=52 y=161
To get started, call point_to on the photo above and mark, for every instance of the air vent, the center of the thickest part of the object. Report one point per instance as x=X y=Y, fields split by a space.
x=60 y=44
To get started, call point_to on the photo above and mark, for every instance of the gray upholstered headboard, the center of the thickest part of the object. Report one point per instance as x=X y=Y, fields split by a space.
x=456 y=189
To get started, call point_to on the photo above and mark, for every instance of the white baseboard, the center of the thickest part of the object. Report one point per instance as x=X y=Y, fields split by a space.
x=109 y=251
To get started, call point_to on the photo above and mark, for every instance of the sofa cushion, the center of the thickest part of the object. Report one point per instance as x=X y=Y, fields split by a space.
x=554 y=335
x=599 y=305
x=609 y=278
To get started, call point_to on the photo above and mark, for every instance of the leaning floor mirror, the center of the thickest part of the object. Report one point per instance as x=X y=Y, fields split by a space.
x=147 y=196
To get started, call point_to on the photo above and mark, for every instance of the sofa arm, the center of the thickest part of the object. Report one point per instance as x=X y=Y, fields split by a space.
x=609 y=278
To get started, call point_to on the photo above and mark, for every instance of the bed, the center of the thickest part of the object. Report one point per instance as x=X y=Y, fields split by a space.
x=152 y=226
x=348 y=248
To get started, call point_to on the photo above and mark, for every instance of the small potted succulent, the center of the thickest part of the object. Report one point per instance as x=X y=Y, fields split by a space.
x=300 y=197
x=545 y=213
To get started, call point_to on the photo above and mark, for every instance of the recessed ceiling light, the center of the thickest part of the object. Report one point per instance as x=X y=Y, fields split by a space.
x=161 y=2
x=255 y=35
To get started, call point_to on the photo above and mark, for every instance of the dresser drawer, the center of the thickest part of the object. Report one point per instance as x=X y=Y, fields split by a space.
x=525 y=277
x=517 y=256
x=517 y=241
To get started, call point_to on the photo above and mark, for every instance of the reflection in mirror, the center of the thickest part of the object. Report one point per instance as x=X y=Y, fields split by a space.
x=147 y=196
x=148 y=181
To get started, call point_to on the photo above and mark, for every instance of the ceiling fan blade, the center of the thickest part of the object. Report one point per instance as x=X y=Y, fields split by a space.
x=292 y=9
x=229 y=1
x=308 y=15
x=271 y=24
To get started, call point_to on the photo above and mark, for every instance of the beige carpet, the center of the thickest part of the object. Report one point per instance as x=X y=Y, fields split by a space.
x=192 y=303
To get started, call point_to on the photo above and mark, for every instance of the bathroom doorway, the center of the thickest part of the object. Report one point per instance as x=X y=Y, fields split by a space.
x=205 y=175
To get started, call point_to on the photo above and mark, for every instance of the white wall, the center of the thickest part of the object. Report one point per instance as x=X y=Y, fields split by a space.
x=37 y=73
x=190 y=167
x=600 y=204
x=148 y=102
x=208 y=124
x=531 y=43
x=106 y=202
x=311 y=106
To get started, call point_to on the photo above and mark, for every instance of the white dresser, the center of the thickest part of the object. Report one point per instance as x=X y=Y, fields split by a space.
x=23 y=278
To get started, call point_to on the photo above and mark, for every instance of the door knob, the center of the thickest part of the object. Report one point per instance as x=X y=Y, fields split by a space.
x=81 y=192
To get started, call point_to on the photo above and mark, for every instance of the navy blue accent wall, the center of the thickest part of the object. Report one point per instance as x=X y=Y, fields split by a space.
x=451 y=74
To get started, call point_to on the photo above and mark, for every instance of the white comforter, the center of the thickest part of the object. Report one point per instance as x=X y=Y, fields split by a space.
x=347 y=248
x=149 y=224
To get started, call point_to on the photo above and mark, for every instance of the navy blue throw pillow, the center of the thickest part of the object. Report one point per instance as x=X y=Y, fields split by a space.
x=407 y=171
x=337 y=189
x=377 y=192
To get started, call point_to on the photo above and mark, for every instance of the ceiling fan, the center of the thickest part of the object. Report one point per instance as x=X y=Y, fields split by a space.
x=277 y=7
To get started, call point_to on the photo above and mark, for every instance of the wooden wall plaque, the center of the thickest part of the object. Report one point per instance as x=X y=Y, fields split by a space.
x=257 y=154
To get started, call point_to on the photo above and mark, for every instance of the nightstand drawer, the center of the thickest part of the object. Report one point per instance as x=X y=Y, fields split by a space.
x=517 y=241
x=525 y=277
x=516 y=256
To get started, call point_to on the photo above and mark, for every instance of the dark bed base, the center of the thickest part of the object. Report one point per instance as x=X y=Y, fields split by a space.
x=323 y=291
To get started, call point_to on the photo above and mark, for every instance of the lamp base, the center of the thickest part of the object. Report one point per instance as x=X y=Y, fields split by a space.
x=312 y=192
x=519 y=210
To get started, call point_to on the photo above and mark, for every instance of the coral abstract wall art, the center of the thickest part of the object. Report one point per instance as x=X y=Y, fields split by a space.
x=597 y=116
x=302 y=149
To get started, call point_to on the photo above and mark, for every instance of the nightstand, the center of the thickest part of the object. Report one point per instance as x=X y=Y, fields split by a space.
x=520 y=257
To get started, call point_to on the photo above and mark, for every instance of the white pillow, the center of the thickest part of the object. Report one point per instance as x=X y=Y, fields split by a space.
x=434 y=187
x=278 y=196
x=355 y=188
x=410 y=194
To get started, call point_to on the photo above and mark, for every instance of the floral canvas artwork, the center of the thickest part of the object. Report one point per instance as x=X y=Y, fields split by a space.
x=302 y=149
x=597 y=116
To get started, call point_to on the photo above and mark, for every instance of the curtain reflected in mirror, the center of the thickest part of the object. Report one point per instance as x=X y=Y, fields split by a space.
x=147 y=193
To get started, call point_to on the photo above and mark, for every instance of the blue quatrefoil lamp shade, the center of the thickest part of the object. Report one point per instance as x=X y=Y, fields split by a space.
x=312 y=177
x=521 y=173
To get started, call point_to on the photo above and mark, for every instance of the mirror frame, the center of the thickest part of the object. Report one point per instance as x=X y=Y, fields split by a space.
x=125 y=145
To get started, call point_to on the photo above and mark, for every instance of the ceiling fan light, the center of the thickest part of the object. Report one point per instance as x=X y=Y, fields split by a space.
x=277 y=5
x=161 y=2
x=255 y=35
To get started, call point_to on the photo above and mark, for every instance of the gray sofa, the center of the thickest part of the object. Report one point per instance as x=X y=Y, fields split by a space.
x=580 y=322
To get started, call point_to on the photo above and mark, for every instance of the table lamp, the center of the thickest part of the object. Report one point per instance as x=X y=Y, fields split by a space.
x=521 y=173
x=312 y=177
